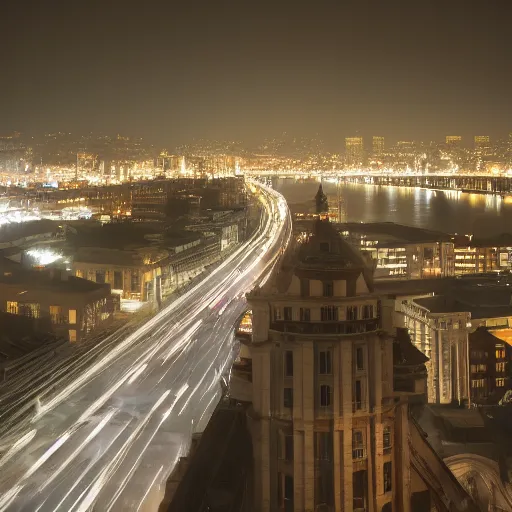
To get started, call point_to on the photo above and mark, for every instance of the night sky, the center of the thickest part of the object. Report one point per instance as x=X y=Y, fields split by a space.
x=172 y=71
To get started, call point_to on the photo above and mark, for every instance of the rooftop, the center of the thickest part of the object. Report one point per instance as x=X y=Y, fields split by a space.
x=11 y=232
x=48 y=280
x=323 y=250
x=481 y=302
x=398 y=232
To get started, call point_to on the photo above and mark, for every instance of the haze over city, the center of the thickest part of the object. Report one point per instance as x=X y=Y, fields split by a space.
x=256 y=257
x=173 y=72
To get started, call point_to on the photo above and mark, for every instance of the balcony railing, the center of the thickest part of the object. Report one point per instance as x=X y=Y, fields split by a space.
x=328 y=327
x=358 y=453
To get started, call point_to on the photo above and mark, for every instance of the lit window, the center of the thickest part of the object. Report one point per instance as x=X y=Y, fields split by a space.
x=358 y=451
x=500 y=383
x=30 y=309
x=277 y=314
x=72 y=334
x=56 y=315
x=500 y=367
x=79 y=273
x=72 y=316
x=500 y=353
x=12 y=307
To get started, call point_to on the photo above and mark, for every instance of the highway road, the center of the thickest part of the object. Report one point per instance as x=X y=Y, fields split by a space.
x=108 y=434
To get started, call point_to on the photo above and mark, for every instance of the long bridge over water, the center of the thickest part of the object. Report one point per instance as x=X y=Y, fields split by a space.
x=473 y=183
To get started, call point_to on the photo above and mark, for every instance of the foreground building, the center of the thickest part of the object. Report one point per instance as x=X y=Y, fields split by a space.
x=66 y=305
x=330 y=431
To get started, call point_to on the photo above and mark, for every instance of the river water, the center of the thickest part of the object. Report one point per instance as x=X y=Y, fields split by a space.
x=451 y=212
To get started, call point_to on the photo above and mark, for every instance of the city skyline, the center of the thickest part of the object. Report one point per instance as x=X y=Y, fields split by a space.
x=248 y=72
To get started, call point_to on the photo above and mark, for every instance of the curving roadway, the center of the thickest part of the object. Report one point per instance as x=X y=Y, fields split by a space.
x=106 y=434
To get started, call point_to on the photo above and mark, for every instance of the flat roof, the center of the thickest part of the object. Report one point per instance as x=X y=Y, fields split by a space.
x=401 y=232
x=11 y=232
x=35 y=279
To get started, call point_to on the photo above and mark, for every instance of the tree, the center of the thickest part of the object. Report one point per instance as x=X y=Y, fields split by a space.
x=322 y=206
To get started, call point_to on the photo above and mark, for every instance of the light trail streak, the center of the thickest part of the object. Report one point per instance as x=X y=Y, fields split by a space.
x=89 y=467
x=80 y=447
x=150 y=486
x=172 y=363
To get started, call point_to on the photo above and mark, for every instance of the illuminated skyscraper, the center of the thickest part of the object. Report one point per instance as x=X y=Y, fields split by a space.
x=453 y=140
x=378 y=146
x=354 y=151
x=482 y=144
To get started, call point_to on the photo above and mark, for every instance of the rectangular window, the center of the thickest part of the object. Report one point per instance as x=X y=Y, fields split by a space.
x=288 y=363
x=352 y=313
x=288 y=447
x=56 y=315
x=304 y=287
x=72 y=316
x=72 y=334
x=79 y=273
x=30 y=309
x=12 y=307
x=388 y=479
x=305 y=315
x=277 y=314
x=386 y=438
x=324 y=362
x=358 y=405
x=287 y=313
x=359 y=358
x=328 y=313
x=323 y=446
x=325 y=395
x=500 y=353
x=328 y=289
x=367 y=311
x=100 y=276
x=500 y=367
x=288 y=397
x=358 y=451
x=118 y=280
x=135 y=282
x=500 y=383
x=288 y=493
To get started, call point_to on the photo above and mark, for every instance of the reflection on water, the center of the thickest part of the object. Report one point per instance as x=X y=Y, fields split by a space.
x=449 y=211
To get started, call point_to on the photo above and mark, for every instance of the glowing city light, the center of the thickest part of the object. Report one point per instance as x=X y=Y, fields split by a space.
x=44 y=256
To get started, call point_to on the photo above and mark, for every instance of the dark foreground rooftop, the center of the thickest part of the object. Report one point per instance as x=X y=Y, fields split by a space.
x=216 y=477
